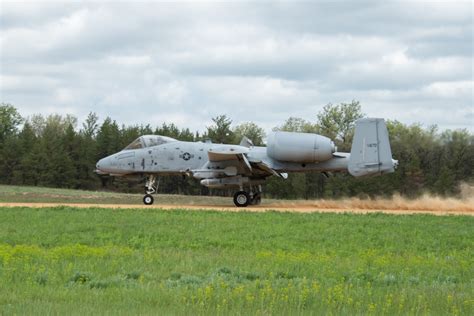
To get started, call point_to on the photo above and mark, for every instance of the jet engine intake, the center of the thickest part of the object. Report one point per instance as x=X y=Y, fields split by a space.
x=299 y=147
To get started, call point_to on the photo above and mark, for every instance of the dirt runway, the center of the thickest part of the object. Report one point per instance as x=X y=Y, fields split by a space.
x=344 y=206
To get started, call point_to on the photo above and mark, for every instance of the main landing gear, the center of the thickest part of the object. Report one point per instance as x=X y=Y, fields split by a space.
x=243 y=198
x=151 y=187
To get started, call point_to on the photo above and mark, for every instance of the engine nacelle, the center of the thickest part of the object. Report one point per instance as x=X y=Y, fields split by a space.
x=299 y=147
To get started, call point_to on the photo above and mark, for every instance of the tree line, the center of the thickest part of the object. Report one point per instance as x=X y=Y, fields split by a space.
x=54 y=151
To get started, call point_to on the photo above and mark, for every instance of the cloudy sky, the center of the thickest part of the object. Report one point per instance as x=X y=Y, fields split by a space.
x=152 y=62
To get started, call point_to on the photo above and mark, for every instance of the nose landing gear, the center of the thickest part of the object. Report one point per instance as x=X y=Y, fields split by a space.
x=151 y=187
x=148 y=199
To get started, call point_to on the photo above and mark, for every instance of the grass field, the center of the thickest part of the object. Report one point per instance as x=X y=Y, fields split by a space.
x=146 y=261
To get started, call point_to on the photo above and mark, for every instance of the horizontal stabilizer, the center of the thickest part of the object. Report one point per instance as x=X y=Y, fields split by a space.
x=340 y=155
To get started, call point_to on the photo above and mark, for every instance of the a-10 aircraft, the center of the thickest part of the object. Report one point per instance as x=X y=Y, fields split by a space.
x=245 y=166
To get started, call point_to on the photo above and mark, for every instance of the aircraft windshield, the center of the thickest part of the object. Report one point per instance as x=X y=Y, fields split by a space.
x=136 y=144
x=149 y=141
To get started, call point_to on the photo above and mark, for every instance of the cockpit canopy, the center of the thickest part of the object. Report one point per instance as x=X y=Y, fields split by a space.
x=149 y=141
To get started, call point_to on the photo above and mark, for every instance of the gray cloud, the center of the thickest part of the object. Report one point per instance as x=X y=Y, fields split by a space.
x=151 y=62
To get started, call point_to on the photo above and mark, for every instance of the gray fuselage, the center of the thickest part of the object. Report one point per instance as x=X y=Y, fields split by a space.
x=179 y=157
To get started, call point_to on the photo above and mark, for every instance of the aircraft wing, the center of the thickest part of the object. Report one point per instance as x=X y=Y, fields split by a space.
x=229 y=154
x=238 y=155
x=267 y=169
x=223 y=154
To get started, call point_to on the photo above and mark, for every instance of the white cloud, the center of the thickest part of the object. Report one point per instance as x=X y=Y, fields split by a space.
x=451 y=89
x=150 y=62
x=132 y=60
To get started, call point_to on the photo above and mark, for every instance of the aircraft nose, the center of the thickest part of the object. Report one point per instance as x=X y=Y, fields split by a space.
x=111 y=165
x=102 y=165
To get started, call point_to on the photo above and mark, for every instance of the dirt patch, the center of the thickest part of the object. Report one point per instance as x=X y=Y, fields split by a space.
x=392 y=206
x=424 y=204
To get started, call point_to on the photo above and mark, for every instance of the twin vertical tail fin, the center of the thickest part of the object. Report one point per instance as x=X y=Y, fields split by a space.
x=370 y=153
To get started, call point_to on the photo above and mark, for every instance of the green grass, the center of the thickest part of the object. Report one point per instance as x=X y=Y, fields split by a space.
x=145 y=261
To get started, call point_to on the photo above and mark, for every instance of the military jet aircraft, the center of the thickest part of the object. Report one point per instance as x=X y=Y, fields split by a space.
x=245 y=166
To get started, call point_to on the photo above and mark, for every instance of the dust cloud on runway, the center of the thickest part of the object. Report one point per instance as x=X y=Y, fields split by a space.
x=395 y=205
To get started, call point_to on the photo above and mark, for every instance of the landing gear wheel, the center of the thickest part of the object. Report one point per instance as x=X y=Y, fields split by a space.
x=257 y=199
x=241 y=199
x=148 y=199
